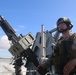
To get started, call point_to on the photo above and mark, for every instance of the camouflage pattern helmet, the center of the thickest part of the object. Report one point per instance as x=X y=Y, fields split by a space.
x=64 y=20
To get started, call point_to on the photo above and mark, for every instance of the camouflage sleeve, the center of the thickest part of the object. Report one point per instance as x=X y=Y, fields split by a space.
x=73 y=52
x=74 y=45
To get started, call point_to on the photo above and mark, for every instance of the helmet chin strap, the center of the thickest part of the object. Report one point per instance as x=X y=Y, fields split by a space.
x=64 y=30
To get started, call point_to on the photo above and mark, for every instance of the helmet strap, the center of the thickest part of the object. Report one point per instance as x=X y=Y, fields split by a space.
x=64 y=30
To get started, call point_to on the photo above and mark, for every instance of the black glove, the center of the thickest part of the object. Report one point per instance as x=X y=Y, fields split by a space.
x=42 y=70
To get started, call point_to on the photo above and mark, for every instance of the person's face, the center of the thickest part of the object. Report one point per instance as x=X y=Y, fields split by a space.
x=62 y=26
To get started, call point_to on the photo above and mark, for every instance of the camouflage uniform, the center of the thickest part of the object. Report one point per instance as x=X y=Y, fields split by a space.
x=64 y=52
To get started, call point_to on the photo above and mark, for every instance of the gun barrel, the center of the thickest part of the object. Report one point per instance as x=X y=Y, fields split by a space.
x=9 y=31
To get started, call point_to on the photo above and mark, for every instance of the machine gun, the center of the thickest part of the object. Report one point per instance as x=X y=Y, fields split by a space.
x=19 y=43
x=20 y=46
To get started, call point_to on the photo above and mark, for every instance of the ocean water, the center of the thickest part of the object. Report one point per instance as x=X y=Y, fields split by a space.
x=8 y=69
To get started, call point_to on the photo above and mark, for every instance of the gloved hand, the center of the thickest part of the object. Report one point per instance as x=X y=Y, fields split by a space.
x=41 y=69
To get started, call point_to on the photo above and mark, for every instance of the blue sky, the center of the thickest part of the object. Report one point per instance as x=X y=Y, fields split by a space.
x=28 y=15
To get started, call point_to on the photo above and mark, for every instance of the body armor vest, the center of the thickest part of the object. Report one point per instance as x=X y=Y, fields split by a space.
x=64 y=53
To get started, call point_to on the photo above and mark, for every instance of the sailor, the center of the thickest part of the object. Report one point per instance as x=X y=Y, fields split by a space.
x=64 y=56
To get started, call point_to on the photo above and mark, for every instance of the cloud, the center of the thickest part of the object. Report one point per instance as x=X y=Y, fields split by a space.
x=21 y=26
x=4 y=43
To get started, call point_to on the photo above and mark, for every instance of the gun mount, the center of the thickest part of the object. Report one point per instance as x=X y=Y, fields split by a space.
x=42 y=46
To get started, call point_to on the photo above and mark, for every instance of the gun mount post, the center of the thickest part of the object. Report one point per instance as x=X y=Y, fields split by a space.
x=43 y=54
